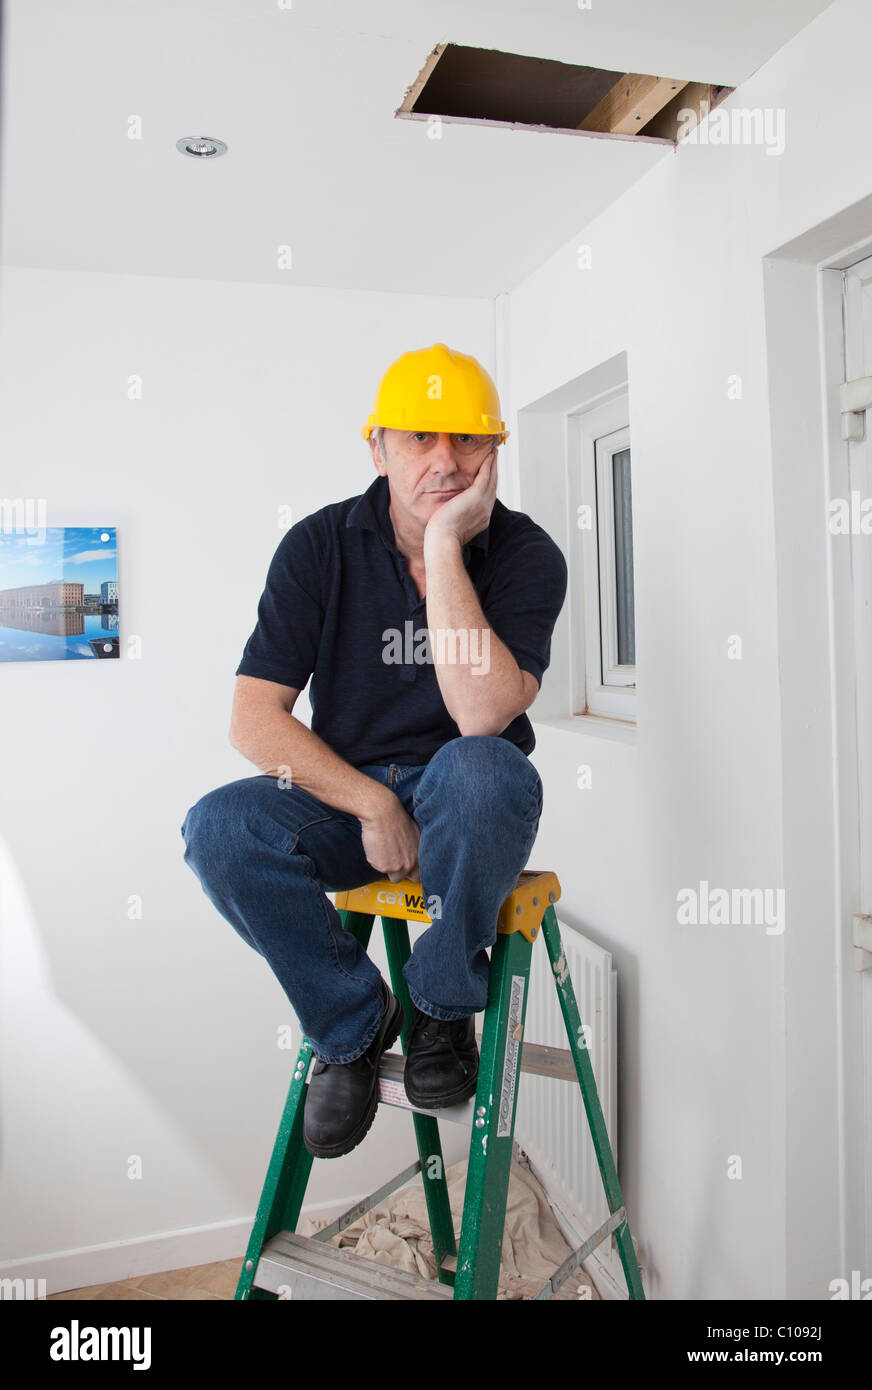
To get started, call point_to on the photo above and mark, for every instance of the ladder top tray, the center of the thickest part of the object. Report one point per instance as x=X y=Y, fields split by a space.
x=522 y=910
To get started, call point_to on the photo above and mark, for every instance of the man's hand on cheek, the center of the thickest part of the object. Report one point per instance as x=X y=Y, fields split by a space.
x=470 y=511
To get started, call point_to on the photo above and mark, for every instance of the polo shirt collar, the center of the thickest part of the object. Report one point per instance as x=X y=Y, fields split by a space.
x=371 y=512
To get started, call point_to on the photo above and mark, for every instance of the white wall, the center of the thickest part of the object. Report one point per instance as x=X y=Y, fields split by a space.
x=709 y=1066
x=157 y=1037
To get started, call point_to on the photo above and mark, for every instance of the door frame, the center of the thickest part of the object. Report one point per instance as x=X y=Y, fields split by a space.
x=818 y=1027
x=855 y=752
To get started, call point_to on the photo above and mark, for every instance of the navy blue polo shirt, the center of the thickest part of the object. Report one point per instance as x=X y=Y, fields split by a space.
x=340 y=607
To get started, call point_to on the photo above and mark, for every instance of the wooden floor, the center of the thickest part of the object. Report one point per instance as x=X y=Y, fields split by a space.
x=219 y=1281
x=198 y=1281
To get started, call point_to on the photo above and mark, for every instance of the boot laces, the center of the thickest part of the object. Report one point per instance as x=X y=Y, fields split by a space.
x=450 y=1030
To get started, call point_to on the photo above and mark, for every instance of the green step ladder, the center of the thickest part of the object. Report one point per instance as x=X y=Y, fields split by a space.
x=279 y=1263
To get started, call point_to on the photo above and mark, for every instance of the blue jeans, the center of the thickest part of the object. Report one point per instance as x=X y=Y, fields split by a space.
x=267 y=855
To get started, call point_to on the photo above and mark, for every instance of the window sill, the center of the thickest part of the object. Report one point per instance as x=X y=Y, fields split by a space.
x=596 y=725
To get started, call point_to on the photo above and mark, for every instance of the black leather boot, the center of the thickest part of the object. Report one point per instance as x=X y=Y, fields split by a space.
x=441 y=1061
x=342 y=1097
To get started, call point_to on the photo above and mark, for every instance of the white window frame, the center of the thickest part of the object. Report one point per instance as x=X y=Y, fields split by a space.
x=600 y=684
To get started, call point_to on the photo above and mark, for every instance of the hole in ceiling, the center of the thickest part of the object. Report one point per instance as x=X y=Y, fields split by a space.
x=483 y=86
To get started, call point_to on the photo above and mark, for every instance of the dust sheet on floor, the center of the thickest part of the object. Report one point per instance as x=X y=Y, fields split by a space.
x=397 y=1232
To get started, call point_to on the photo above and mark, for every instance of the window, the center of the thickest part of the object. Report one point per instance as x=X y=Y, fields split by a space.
x=601 y=568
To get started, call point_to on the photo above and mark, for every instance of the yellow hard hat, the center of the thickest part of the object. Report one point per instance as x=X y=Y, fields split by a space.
x=439 y=390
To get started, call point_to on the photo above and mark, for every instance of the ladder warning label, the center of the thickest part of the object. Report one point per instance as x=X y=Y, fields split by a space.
x=510 y=1061
x=393 y=1093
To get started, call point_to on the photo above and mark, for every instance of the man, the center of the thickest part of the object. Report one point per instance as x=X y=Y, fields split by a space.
x=423 y=611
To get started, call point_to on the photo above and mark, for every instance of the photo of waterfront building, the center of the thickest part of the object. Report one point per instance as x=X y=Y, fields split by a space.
x=58 y=593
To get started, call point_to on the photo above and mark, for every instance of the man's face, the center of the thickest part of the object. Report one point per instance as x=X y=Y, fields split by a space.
x=426 y=469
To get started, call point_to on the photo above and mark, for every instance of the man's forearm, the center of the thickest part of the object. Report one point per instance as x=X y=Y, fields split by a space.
x=281 y=746
x=477 y=693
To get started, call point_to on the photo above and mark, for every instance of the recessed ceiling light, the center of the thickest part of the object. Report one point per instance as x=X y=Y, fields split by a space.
x=201 y=146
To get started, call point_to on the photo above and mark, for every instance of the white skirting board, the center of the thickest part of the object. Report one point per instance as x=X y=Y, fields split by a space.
x=129 y=1259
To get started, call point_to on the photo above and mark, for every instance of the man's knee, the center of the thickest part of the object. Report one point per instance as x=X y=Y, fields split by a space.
x=485 y=770
x=209 y=826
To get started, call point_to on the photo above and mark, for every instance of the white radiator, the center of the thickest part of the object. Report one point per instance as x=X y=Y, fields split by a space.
x=551 y=1125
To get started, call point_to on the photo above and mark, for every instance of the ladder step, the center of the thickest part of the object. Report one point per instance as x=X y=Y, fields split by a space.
x=535 y=1060
x=391 y=1091
x=301 y=1268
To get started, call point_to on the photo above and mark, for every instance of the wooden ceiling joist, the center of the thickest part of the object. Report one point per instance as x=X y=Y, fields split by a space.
x=631 y=104
x=699 y=97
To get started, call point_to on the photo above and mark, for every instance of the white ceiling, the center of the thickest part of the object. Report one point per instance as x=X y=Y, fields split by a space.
x=304 y=97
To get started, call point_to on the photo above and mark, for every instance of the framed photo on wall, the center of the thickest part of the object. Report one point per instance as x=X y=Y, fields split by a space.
x=58 y=593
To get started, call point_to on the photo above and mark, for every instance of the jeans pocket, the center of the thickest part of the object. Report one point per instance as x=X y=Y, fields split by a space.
x=316 y=820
